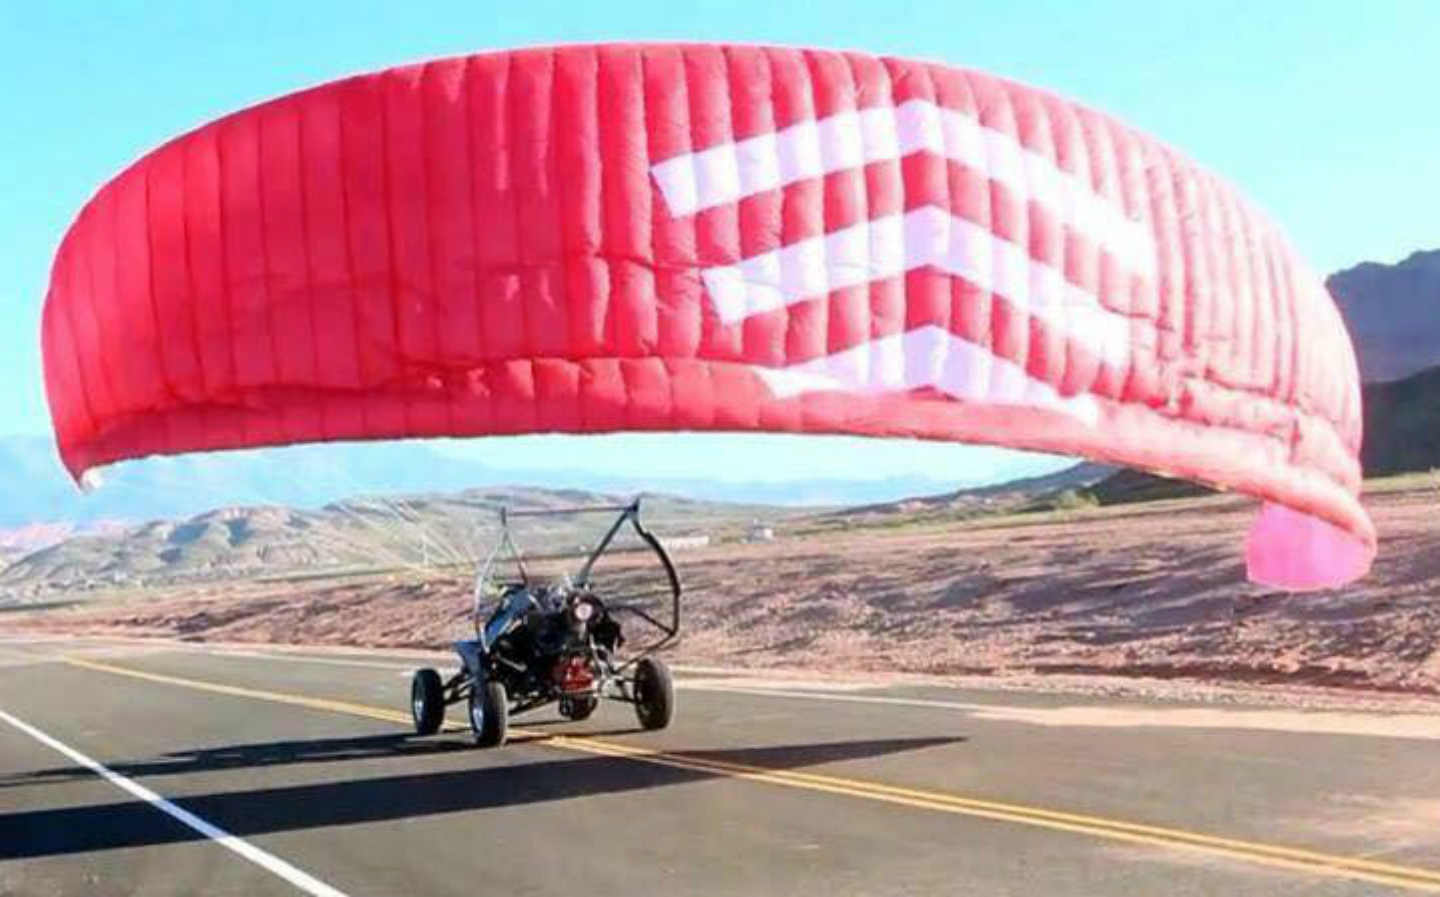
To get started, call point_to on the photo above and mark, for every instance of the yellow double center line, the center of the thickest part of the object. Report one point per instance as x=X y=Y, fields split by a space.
x=1291 y=858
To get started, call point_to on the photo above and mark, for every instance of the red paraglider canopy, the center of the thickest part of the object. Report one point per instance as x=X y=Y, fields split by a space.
x=653 y=237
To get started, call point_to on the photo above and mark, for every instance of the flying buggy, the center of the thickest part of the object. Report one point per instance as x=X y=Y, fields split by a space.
x=565 y=638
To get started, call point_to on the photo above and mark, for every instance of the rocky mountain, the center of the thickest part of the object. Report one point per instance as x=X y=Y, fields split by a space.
x=1402 y=424
x=1402 y=435
x=1393 y=312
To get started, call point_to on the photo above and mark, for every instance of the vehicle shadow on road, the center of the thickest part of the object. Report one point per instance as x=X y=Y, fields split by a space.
x=257 y=755
x=82 y=829
x=389 y=746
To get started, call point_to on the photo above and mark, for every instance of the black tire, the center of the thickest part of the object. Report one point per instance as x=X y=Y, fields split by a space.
x=578 y=709
x=427 y=701
x=654 y=694
x=489 y=713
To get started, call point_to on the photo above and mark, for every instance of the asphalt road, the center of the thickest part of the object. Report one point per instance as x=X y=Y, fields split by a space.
x=165 y=770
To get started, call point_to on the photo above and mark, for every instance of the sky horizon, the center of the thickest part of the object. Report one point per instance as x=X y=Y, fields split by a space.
x=1319 y=117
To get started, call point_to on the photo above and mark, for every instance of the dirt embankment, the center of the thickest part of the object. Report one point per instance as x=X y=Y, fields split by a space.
x=1153 y=590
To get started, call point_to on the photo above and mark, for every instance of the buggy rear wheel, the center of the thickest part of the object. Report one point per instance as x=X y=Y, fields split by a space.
x=427 y=701
x=654 y=694
x=489 y=713
x=578 y=709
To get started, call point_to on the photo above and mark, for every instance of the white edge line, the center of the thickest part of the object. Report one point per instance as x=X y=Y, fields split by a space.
x=267 y=861
x=699 y=685
x=323 y=661
x=1244 y=719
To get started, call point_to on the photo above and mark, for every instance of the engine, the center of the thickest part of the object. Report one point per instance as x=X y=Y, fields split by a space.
x=548 y=640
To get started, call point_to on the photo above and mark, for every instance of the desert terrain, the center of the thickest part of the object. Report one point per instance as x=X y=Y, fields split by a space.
x=1153 y=590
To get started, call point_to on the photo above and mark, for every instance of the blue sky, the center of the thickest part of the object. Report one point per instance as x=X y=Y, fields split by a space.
x=1322 y=113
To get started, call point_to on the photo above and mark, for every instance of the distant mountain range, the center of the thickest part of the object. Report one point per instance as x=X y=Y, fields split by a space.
x=1023 y=494
x=395 y=533
x=34 y=489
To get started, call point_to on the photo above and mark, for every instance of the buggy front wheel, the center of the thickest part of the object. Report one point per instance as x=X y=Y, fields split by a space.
x=654 y=694
x=427 y=701
x=489 y=713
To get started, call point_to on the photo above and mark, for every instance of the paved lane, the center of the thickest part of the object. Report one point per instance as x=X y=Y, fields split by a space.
x=808 y=790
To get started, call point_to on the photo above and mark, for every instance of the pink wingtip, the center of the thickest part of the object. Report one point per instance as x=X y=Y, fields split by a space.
x=1289 y=550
